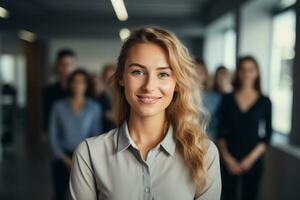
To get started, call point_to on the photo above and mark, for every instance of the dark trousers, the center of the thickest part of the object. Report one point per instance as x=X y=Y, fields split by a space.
x=60 y=175
x=249 y=183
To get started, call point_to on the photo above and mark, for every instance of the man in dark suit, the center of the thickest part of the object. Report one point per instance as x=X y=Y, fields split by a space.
x=64 y=65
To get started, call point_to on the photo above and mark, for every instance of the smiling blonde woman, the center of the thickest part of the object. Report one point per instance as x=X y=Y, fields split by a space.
x=159 y=150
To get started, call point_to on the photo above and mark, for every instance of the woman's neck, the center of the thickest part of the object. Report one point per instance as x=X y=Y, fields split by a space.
x=247 y=89
x=78 y=98
x=77 y=103
x=147 y=132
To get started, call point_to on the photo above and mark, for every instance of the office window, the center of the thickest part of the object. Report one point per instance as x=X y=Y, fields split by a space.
x=7 y=68
x=12 y=71
x=286 y=3
x=230 y=49
x=281 y=70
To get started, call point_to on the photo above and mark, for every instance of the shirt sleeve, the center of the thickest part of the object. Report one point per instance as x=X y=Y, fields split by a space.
x=223 y=123
x=106 y=102
x=213 y=185
x=97 y=127
x=82 y=183
x=54 y=133
x=214 y=116
x=268 y=122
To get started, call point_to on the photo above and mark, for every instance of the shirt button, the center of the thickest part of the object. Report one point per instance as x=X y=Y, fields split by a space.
x=147 y=189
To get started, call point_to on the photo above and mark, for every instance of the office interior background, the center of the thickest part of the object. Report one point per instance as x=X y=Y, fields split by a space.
x=32 y=31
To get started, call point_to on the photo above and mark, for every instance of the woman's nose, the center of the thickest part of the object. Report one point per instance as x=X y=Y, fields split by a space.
x=150 y=82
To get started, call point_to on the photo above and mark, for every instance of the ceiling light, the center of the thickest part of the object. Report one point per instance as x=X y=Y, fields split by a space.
x=120 y=9
x=124 y=33
x=27 y=36
x=3 y=12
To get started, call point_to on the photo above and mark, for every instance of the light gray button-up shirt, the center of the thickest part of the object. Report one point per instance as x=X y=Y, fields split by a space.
x=110 y=167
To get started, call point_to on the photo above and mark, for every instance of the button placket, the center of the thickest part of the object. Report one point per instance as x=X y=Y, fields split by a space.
x=147 y=183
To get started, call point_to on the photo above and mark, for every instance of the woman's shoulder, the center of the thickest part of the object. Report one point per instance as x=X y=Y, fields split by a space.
x=265 y=102
x=100 y=143
x=225 y=98
x=92 y=104
x=211 y=148
x=211 y=93
x=228 y=95
x=61 y=103
x=265 y=99
x=103 y=137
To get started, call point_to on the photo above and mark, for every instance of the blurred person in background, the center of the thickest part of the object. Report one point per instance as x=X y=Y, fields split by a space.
x=242 y=146
x=222 y=81
x=100 y=95
x=211 y=98
x=155 y=153
x=72 y=120
x=108 y=71
x=64 y=65
x=8 y=105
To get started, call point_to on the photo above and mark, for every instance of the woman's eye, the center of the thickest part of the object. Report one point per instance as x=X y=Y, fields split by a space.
x=163 y=75
x=137 y=72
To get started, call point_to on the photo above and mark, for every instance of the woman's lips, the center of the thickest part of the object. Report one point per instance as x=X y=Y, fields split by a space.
x=148 y=99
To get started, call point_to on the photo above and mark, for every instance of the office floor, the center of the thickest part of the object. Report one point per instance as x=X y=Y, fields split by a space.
x=25 y=171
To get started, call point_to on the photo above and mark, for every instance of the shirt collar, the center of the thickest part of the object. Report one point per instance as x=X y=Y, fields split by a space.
x=123 y=137
x=168 y=143
x=124 y=140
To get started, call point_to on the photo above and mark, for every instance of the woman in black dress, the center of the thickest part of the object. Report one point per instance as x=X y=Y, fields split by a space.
x=242 y=143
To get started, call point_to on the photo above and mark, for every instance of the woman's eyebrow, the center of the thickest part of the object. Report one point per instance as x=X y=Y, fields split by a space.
x=143 y=66
x=163 y=68
x=136 y=64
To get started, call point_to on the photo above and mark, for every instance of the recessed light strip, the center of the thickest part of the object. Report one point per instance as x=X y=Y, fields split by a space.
x=120 y=9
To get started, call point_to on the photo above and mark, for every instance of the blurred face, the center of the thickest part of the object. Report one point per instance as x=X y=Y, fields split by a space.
x=148 y=80
x=202 y=73
x=97 y=84
x=65 y=66
x=223 y=77
x=248 y=73
x=79 y=85
x=108 y=75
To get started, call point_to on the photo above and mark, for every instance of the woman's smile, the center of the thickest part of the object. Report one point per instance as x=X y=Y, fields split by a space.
x=147 y=99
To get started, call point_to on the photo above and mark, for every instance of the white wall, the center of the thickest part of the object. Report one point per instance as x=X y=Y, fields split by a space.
x=214 y=44
x=256 y=36
x=92 y=53
x=213 y=51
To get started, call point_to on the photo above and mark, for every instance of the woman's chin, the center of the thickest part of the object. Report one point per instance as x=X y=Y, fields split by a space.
x=148 y=112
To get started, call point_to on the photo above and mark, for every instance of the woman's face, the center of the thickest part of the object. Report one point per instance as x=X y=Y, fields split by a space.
x=148 y=80
x=223 y=77
x=79 y=85
x=202 y=73
x=97 y=83
x=248 y=73
x=108 y=75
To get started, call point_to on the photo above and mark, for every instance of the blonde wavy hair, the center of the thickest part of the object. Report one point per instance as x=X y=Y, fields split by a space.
x=185 y=111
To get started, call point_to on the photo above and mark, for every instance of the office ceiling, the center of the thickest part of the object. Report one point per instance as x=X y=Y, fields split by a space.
x=59 y=18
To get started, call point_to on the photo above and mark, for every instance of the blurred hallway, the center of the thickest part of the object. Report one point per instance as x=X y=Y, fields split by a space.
x=216 y=33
